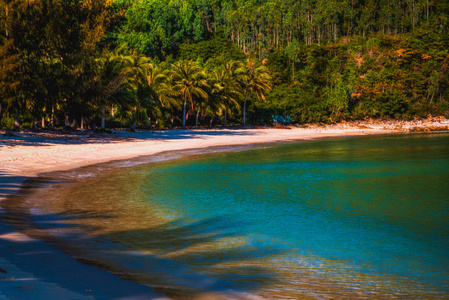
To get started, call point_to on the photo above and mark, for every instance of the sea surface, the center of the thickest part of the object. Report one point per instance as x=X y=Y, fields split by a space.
x=359 y=217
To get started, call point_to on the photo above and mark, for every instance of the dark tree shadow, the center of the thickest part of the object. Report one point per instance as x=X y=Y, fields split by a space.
x=88 y=137
x=10 y=184
x=178 y=258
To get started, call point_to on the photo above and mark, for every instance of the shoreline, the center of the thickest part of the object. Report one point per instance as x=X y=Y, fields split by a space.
x=32 y=154
x=25 y=157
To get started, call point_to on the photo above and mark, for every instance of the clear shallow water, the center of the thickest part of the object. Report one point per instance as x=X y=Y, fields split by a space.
x=356 y=217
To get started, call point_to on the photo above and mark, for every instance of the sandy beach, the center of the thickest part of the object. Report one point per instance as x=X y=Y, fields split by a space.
x=32 y=269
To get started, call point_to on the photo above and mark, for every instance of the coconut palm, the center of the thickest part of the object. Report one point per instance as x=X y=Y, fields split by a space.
x=253 y=79
x=189 y=81
x=146 y=79
x=156 y=80
x=137 y=65
x=111 y=85
x=168 y=98
x=225 y=87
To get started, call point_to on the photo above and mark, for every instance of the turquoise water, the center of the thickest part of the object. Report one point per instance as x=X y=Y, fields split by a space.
x=350 y=217
x=375 y=206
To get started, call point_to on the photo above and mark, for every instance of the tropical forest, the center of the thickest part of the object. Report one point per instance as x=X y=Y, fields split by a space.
x=157 y=64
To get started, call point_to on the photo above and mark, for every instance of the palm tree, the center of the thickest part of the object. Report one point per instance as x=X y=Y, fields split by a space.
x=201 y=105
x=168 y=98
x=188 y=82
x=156 y=79
x=136 y=65
x=145 y=78
x=110 y=85
x=225 y=87
x=253 y=79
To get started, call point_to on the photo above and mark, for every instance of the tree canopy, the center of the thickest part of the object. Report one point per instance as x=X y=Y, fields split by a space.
x=114 y=62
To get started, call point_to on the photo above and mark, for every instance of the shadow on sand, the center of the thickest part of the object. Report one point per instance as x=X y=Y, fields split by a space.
x=89 y=137
x=179 y=258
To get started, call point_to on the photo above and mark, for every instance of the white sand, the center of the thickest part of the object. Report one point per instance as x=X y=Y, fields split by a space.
x=35 y=270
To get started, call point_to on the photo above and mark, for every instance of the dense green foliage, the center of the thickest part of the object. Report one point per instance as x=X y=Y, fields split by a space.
x=86 y=62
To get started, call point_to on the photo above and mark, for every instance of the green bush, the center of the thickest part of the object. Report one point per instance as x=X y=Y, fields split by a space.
x=7 y=122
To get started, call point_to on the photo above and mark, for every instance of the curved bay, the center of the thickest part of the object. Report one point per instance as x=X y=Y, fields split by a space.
x=352 y=217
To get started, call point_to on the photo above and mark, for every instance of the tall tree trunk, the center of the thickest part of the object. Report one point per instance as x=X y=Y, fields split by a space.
x=103 y=121
x=74 y=124
x=82 y=123
x=112 y=112
x=67 y=122
x=35 y=127
x=196 y=120
x=43 y=122
x=293 y=72
x=133 y=127
x=184 y=112
x=6 y=29
x=52 y=121
x=431 y=99
x=211 y=120
x=244 y=108
x=16 y=121
x=225 y=117
x=238 y=38
x=172 y=119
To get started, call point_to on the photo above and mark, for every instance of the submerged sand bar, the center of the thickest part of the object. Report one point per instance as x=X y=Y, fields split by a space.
x=31 y=269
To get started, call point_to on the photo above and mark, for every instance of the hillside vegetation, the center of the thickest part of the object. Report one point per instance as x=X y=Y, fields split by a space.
x=159 y=64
